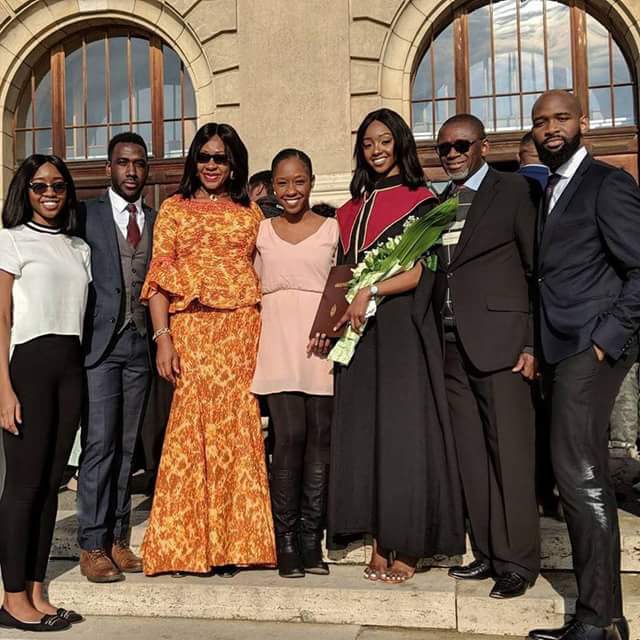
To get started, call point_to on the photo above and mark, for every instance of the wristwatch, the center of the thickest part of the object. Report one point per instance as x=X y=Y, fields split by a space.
x=373 y=290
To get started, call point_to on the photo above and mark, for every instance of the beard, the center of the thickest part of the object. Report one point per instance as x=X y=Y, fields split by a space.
x=555 y=159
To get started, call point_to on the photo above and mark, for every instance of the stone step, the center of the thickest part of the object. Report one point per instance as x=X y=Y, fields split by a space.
x=556 y=550
x=431 y=600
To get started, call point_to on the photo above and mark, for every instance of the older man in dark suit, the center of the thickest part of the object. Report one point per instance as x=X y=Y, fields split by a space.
x=588 y=276
x=119 y=229
x=482 y=288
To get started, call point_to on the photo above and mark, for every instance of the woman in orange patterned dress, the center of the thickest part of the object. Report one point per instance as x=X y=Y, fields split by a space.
x=211 y=507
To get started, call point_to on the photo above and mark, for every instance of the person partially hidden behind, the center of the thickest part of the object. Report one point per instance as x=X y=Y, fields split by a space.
x=588 y=274
x=118 y=227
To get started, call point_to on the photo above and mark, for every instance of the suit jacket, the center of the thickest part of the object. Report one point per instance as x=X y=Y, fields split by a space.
x=589 y=264
x=491 y=271
x=98 y=229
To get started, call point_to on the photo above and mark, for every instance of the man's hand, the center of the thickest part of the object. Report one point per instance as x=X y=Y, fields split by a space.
x=600 y=354
x=526 y=366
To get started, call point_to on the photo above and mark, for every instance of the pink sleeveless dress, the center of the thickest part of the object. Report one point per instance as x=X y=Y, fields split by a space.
x=293 y=278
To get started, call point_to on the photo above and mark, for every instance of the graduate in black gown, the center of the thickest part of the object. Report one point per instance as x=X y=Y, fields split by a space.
x=393 y=465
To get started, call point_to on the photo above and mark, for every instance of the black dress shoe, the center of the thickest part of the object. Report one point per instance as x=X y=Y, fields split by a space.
x=47 y=623
x=575 y=630
x=477 y=570
x=510 y=585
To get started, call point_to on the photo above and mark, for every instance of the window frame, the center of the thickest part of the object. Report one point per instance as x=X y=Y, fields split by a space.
x=59 y=125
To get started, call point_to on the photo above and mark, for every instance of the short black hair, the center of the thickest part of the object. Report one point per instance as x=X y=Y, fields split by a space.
x=466 y=118
x=17 y=208
x=527 y=138
x=128 y=137
x=324 y=209
x=285 y=154
x=406 y=153
x=238 y=162
x=263 y=178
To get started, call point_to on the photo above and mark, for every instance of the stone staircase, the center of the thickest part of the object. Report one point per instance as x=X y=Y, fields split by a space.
x=431 y=600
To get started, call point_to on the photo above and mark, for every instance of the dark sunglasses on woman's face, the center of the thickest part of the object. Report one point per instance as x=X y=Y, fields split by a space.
x=218 y=158
x=41 y=187
x=461 y=146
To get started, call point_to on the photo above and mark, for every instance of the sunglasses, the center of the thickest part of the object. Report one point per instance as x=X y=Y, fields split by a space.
x=42 y=187
x=461 y=146
x=218 y=158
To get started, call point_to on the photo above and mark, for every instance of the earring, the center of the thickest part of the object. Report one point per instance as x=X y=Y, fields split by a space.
x=232 y=175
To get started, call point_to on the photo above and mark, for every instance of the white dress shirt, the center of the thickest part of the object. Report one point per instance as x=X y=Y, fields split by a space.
x=473 y=182
x=566 y=171
x=121 y=215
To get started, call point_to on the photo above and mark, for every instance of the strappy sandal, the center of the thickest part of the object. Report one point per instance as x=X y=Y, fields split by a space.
x=397 y=577
x=372 y=574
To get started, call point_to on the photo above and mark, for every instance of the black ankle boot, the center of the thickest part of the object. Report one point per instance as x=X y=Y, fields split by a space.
x=285 y=504
x=313 y=509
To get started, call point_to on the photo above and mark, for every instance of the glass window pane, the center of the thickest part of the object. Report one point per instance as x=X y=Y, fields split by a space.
x=43 y=142
x=505 y=42
x=97 y=142
x=96 y=73
x=190 y=128
x=141 y=98
x=24 y=118
x=532 y=45
x=559 y=46
x=73 y=87
x=172 y=139
x=422 y=119
x=621 y=73
x=480 y=72
x=623 y=100
x=528 y=101
x=114 y=130
x=43 y=96
x=119 y=79
x=144 y=130
x=597 y=52
x=508 y=113
x=171 y=93
x=444 y=73
x=75 y=149
x=189 y=97
x=600 y=108
x=483 y=108
x=24 y=145
x=444 y=110
x=422 y=89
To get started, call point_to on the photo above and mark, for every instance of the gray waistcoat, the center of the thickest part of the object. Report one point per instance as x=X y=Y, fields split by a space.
x=134 y=264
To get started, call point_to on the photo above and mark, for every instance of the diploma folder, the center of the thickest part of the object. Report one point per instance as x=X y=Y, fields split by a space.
x=333 y=303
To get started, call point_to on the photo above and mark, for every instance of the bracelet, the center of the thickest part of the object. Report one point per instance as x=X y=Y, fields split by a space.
x=161 y=332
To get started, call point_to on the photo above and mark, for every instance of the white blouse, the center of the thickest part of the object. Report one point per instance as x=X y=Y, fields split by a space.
x=52 y=272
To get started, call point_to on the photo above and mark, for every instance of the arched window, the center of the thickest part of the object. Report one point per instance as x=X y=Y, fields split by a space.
x=100 y=83
x=497 y=56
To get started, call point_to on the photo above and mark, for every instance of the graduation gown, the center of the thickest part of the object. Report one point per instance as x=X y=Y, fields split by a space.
x=393 y=465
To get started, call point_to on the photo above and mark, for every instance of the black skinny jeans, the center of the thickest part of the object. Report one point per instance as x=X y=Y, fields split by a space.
x=46 y=374
x=301 y=427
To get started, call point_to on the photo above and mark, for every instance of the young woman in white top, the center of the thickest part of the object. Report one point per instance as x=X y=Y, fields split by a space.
x=44 y=280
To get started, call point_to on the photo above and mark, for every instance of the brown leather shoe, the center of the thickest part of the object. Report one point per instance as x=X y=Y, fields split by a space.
x=96 y=566
x=124 y=558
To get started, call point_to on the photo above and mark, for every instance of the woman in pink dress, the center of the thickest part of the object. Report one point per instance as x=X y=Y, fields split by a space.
x=295 y=252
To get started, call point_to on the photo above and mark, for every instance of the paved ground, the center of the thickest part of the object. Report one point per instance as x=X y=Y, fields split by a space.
x=174 y=629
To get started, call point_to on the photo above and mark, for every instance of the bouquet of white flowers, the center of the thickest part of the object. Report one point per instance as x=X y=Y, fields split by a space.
x=391 y=257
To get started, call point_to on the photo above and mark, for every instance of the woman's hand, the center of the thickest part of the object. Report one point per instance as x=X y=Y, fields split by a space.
x=10 y=410
x=319 y=345
x=355 y=314
x=167 y=359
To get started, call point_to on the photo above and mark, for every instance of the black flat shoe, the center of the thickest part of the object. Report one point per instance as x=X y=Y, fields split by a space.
x=510 y=585
x=47 y=623
x=227 y=571
x=69 y=616
x=477 y=570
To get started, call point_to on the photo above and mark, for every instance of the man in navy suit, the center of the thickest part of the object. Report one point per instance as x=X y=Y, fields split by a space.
x=588 y=274
x=119 y=230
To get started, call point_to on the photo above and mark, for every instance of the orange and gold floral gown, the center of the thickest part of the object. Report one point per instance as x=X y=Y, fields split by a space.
x=211 y=504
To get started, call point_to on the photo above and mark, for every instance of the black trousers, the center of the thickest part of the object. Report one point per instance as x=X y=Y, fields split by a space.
x=582 y=391
x=46 y=374
x=301 y=429
x=493 y=426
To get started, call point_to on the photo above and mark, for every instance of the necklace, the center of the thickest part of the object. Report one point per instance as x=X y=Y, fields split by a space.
x=214 y=197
